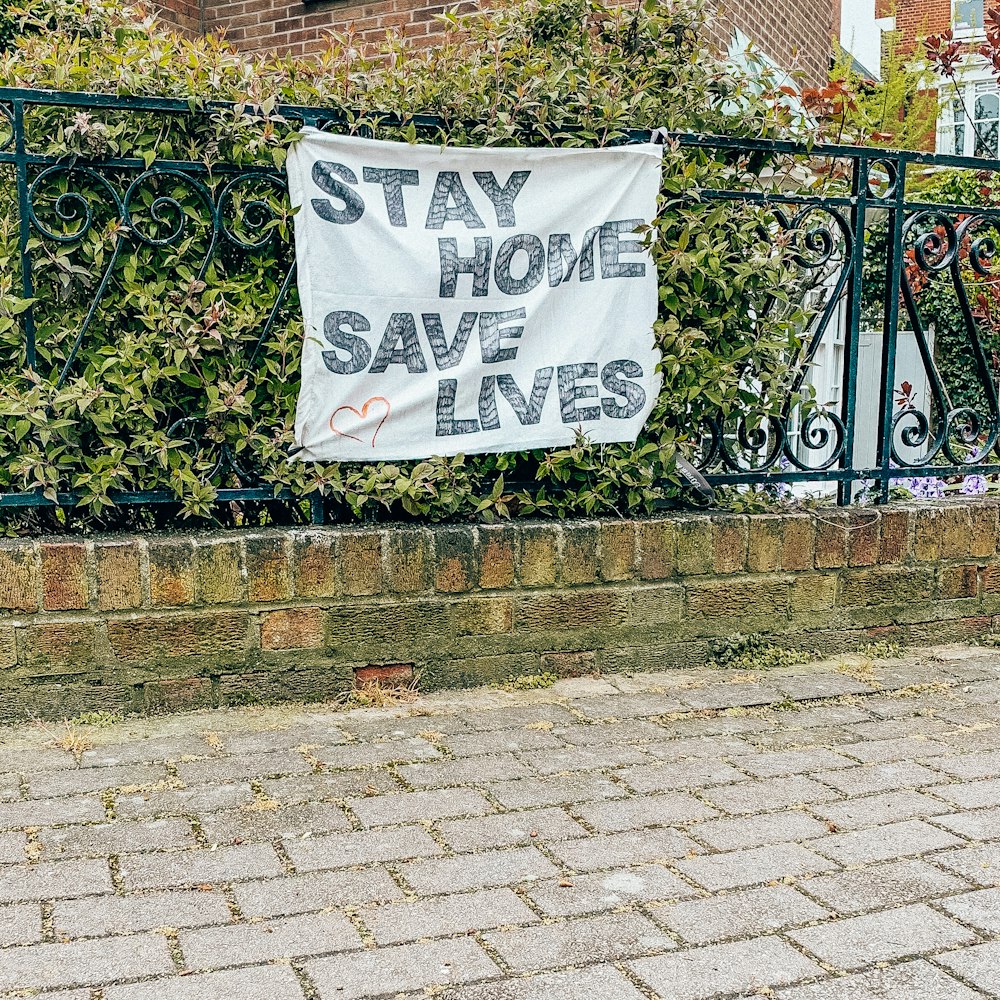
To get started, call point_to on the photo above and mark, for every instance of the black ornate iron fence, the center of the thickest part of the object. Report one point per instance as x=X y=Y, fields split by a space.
x=890 y=402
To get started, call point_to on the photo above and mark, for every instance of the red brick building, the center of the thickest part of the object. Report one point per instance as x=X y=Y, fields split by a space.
x=793 y=33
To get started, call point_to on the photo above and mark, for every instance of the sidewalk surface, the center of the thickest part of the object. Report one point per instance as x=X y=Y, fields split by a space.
x=823 y=832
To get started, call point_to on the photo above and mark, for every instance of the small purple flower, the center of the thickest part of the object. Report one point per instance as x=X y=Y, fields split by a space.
x=975 y=485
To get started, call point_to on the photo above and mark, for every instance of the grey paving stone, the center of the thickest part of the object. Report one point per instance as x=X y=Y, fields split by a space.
x=647 y=810
x=881 y=843
x=778 y=763
x=20 y=924
x=738 y=869
x=800 y=739
x=749 y=913
x=243 y=767
x=31 y=759
x=175 y=868
x=573 y=759
x=904 y=748
x=342 y=850
x=264 y=982
x=478 y=871
x=555 y=791
x=84 y=963
x=10 y=787
x=376 y=754
x=917 y=980
x=890 y=729
x=510 y=829
x=680 y=748
x=979 y=965
x=371 y=724
x=761 y=796
x=982 y=824
x=466 y=771
x=106 y=916
x=971 y=766
x=12 y=848
x=598 y=734
x=981 y=909
x=272 y=940
x=503 y=741
x=289 y=738
x=730 y=696
x=743 y=966
x=404 y=807
x=756 y=831
x=873 y=810
x=53 y=880
x=806 y=687
x=49 y=784
x=618 y=850
x=514 y=716
x=872 y=778
x=48 y=812
x=607 y=890
x=182 y=801
x=854 y=942
x=694 y=773
x=259 y=821
x=881 y=885
x=306 y=893
x=458 y=914
x=591 y=983
x=627 y=706
x=980 y=865
x=146 y=751
x=818 y=716
x=403 y=967
x=608 y=938
x=333 y=785
x=971 y=794
x=102 y=839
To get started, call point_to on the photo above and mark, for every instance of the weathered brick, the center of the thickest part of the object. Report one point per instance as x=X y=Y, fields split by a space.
x=885 y=586
x=894 y=536
x=863 y=537
x=117 y=568
x=314 y=564
x=538 y=555
x=482 y=617
x=813 y=592
x=156 y=639
x=177 y=694
x=221 y=577
x=578 y=560
x=386 y=624
x=579 y=663
x=765 y=542
x=927 y=534
x=172 y=578
x=984 y=529
x=61 y=644
x=694 y=545
x=763 y=598
x=19 y=576
x=955 y=528
x=360 y=558
x=617 y=550
x=456 y=553
x=167 y=869
x=657 y=549
x=384 y=674
x=729 y=543
x=8 y=647
x=797 y=543
x=584 y=609
x=958 y=581
x=268 y=571
x=64 y=576
x=498 y=543
x=407 y=560
x=831 y=540
x=292 y=628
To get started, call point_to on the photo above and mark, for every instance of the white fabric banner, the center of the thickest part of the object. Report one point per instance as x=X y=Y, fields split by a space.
x=471 y=300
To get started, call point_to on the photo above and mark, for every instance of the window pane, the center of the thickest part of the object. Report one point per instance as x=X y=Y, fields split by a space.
x=960 y=140
x=987 y=107
x=986 y=142
x=969 y=12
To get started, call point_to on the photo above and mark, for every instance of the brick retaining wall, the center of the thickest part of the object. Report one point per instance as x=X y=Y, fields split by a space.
x=167 y=622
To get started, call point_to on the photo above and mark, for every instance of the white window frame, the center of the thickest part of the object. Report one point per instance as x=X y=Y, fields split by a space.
x=976 y=80
x=963 y=29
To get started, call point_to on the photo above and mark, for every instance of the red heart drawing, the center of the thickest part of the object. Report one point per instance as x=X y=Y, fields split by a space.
x=361 y=414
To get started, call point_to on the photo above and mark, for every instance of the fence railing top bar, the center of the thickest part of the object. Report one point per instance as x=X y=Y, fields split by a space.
x=872 y=155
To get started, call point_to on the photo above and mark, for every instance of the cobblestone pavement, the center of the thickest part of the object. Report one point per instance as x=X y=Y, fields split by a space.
x=817 y=833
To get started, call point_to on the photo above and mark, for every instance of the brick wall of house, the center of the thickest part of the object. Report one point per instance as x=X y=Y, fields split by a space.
x=170 y=621
x=916 y=19
x=795 y=33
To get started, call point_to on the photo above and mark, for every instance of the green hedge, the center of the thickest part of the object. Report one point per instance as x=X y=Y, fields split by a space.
x=165 y=344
